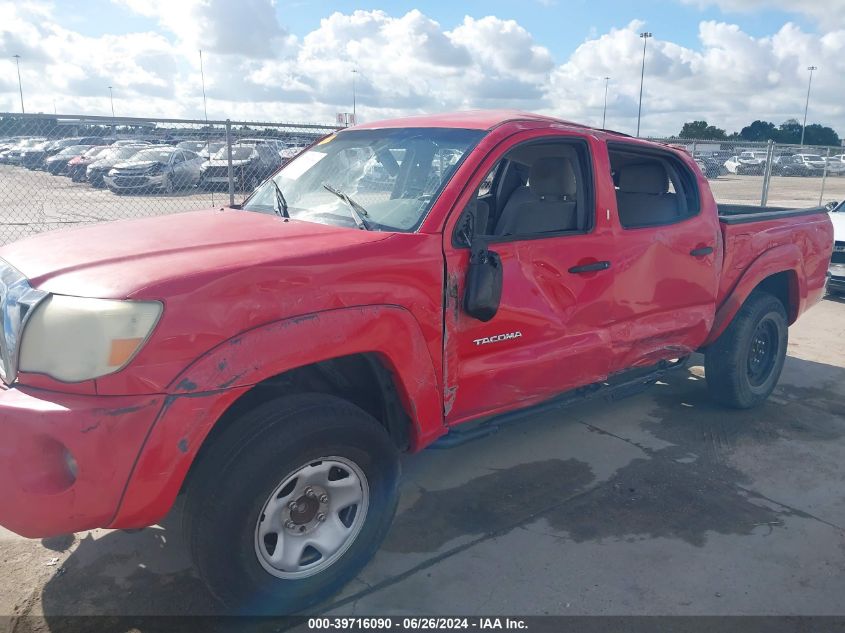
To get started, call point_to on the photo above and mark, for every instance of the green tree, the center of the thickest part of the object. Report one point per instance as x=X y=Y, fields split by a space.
x=759 y=131
x=701 y=130
x=817 y=134
x=789 y=132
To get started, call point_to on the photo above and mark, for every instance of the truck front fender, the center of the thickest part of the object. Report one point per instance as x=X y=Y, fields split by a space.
x=786 y=258
x=202 y=393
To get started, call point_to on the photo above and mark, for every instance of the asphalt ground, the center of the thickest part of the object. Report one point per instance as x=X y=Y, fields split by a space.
x=659 y=504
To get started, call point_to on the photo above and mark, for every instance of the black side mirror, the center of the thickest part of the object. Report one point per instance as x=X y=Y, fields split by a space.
x=483 y=283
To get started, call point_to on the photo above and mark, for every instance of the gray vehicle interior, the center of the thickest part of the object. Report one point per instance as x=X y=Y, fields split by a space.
x=535 y=189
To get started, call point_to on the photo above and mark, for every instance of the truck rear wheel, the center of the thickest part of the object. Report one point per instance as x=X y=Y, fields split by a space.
x=744 y=364
x=290 y=503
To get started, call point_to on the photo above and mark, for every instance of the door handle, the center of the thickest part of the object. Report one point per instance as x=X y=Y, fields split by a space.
x=701 y=252
x=590 y=268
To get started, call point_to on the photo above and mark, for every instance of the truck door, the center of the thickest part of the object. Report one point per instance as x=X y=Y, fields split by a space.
x=533 y=205
x=668 y=257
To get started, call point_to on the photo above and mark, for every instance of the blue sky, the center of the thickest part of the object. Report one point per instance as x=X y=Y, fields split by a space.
x=558 y=25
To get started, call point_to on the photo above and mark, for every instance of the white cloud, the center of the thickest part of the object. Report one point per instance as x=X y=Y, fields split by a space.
x=826 y=13
x=254 y=69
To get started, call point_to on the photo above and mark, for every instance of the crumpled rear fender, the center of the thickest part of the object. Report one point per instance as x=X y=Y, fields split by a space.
x=786 y=258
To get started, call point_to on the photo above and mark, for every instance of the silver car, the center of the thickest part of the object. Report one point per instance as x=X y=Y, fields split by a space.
x=155 y=169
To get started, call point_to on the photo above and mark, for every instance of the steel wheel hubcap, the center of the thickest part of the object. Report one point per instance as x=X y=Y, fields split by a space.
x=763 y=352
x=312 y=518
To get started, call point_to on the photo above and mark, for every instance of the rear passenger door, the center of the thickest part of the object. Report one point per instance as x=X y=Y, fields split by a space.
x=535 y=198
x=668 y=257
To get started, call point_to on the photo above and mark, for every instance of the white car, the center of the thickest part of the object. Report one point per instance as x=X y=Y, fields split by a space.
x=836 y=164
x=836 y=272
x=746 y=163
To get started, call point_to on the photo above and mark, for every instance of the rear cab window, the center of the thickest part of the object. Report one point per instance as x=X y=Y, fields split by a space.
x=653 y=187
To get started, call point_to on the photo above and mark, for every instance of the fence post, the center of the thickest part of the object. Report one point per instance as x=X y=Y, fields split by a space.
x=230 y=171
x=767 y=173
x=824 y=176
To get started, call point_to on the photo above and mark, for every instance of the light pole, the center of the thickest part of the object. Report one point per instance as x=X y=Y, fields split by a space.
x=20 y=85
x=202 y=76
x=354 y=72
x=111 y=98
x=604 y=112
x=807 y=103
x=645 y=35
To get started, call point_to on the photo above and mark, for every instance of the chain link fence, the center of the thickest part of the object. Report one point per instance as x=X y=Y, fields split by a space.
x=769 y=173
x=59 y=171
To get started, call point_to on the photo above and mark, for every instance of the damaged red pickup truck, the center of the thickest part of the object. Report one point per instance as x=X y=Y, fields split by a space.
x=397 y=285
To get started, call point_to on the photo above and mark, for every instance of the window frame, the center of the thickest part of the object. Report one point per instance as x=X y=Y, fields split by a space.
x=686 y=180
x=587 y=179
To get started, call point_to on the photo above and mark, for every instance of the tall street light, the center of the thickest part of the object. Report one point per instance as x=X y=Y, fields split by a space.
x=20 y=85
x=807 y=103
x=111 y=98
x=645 y=35
x=604 y=112
x=202 y=77
x=354 y=73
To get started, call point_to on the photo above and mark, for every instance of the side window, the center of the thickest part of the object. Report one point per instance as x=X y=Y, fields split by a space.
x=486 y=187
x=178 y=157
x=652 y=188
x=541 y=188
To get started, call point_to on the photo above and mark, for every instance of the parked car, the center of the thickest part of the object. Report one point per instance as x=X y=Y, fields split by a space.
x=270 y=363
x=747 y=163
x=57 y=163
x=193 y=146
x=36 y=158
x=130 y=141
x=836 y=165
x=709 y=166
x=290 y=150
x=836 y=272
x=155 y=169
x=96 y=171
x=76 y=167
x=33 y=157
x=251 y=164
x=799 y=165
x=14 y=154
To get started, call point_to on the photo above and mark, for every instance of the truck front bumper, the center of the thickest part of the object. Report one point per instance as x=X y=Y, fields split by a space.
x=65 y=459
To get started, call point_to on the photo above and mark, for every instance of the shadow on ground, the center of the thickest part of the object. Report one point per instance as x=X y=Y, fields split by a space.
x=684 y=490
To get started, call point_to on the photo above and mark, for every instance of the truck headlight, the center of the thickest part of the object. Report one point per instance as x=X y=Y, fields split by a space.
x=75 y=338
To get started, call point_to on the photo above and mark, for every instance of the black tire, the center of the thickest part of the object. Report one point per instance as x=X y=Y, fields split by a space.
x=744 y=364
x=227 y=492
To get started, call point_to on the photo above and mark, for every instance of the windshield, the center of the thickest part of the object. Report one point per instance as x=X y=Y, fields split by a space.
x=162 y=155
x=73 y=150
x=239 y=152
x=191 y=146
x=394 y=174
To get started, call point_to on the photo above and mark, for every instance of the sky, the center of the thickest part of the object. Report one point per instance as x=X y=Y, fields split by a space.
x=726 y=61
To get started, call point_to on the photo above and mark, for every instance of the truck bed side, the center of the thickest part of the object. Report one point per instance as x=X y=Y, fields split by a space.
x=791 y=246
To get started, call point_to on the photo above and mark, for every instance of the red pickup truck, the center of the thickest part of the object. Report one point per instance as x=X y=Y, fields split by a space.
x=398 y=284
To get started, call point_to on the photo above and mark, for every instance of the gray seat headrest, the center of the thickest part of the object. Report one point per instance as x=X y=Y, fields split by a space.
x=647 y=178
x=552 y=177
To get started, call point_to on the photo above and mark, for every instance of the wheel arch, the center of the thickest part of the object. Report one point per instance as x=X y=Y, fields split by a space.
x=373 y=356
x=779 y=271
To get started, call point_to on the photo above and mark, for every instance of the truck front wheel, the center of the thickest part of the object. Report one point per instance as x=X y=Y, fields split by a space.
x=744 y=364
x=290 y=502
